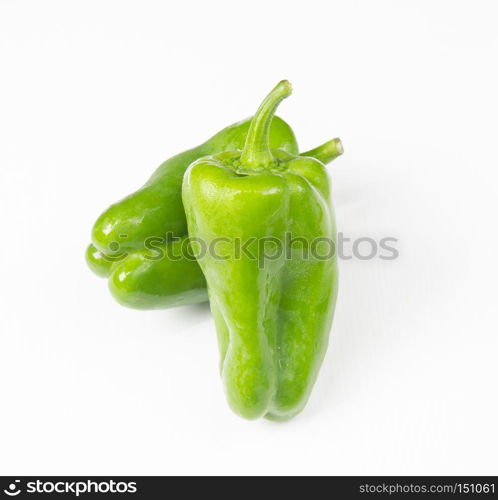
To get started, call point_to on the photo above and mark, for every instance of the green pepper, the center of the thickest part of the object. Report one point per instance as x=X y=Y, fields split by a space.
x=273 y=303
x=121 y=232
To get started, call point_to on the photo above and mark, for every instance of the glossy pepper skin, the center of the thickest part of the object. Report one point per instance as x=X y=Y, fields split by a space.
x=164 y=276
x=98 y=262
x=167 y=277
x=272 y=315
x=135 y=280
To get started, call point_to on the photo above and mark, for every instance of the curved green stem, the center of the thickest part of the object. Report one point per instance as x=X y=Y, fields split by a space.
x=257 y=152
x=327 y=151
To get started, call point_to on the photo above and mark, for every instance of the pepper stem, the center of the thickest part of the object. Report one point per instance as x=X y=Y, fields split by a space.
x=256 y=153
x=327 y=151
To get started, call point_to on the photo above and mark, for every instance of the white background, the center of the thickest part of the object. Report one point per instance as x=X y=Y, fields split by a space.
x=95 y=94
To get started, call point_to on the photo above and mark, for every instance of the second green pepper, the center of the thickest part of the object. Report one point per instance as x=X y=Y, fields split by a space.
x=273 y=308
